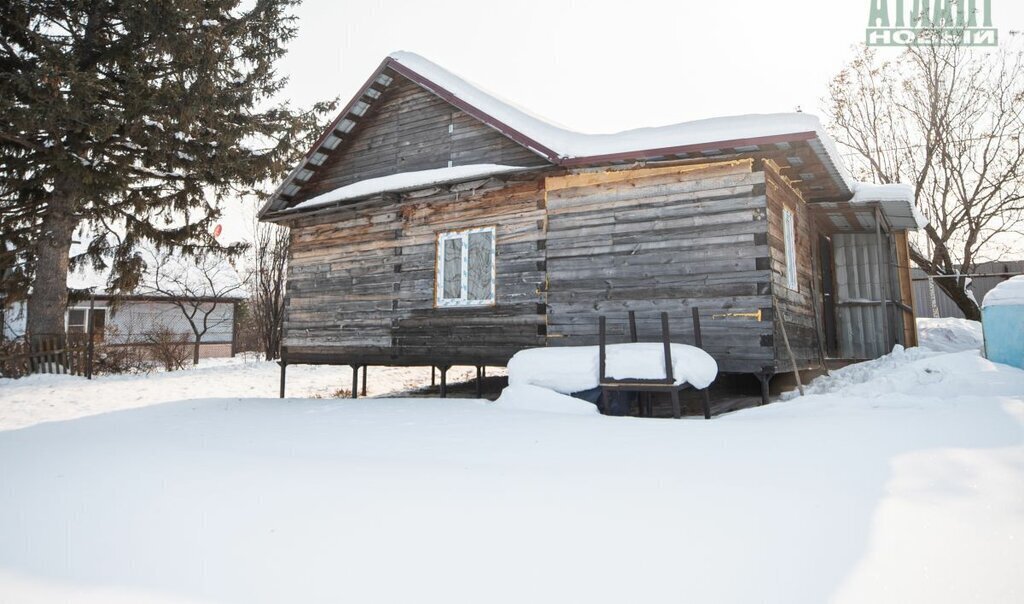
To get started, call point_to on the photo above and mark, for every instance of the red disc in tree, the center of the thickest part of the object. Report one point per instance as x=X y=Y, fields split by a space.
x=216 y=230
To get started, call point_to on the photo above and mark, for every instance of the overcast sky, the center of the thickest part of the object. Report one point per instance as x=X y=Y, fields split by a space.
x=599 y=66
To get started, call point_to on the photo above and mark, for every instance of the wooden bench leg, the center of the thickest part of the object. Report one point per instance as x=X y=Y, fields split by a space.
x=676 y=411
x=604 y=402
x=707 y=404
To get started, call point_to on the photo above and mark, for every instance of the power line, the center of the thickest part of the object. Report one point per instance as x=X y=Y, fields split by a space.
x=909 y=147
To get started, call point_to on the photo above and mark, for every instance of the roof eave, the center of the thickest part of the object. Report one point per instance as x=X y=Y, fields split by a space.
x=315 y=147
x=642 y=154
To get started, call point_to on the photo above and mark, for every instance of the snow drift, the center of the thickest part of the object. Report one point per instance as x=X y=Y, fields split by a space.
x=901 y=487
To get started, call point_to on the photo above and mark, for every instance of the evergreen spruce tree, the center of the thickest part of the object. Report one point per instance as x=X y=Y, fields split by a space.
x=133 y=122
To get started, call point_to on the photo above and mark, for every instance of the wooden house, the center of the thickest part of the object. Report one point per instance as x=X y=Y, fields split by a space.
x=434 y=224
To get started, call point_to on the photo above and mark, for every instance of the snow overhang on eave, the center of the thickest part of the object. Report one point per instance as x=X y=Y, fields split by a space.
x=429 y=181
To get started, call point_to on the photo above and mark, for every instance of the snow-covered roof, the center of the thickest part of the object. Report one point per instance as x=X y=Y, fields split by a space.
x=896 y=201
x=564 y=147
x=406 y=181
x=565 y=144
x=1007 y=293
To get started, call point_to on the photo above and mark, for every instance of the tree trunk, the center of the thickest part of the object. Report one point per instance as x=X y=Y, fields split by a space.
x=940 y=266
x=49 y=298
x=954 y=289
x=272 y=340
x=195 y=352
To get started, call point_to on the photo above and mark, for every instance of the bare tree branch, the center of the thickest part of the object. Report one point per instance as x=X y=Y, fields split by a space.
x=197 y=287
x=950 y=120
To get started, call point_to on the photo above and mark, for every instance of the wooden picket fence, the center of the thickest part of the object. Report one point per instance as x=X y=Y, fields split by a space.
x=65 y=354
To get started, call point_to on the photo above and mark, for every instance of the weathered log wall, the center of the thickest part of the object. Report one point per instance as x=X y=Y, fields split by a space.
x=794 y=304
x=569 y=248
x=663 y=240
x=361 y=280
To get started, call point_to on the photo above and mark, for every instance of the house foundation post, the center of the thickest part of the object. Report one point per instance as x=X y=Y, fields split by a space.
x=765 y=377
x=284 y=367
x=444 y=380
x=355 y=381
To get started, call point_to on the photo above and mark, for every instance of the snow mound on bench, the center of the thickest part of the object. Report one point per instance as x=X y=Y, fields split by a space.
x=575 y=368
x=524 y=397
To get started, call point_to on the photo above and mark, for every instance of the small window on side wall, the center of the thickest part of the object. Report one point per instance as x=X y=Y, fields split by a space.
x=789 y=240
x=76 y=320
x=465 y=268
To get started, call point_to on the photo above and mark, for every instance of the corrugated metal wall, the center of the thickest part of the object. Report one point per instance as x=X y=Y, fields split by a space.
x=858 y=288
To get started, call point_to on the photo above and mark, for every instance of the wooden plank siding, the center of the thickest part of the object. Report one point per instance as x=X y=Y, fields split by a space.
x=662 y=240
x=794 y=304
x=902 y=268
x=361 y=281
x=569 y=247
x=574 y=241
x=409 y=129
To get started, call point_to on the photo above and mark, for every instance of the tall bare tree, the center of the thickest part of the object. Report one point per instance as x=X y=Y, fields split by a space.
x=268 y=264
x=199 y=287
x=949 y=120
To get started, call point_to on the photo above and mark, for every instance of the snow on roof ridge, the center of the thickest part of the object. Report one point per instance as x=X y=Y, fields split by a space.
x=413 y=60
x=570 y=144
x=405 y=181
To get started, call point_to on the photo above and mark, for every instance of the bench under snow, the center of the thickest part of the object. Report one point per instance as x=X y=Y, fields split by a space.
x=572 y=369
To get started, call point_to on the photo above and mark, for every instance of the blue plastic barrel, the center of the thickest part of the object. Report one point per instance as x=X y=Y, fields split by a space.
x=1002 y=318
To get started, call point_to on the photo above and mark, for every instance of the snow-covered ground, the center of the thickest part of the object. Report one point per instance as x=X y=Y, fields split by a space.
x=901 y=480
x=42 y=398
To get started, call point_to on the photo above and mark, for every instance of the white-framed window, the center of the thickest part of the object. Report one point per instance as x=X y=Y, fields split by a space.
x=77 y=322
x=789 y=241
x=465 y=268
